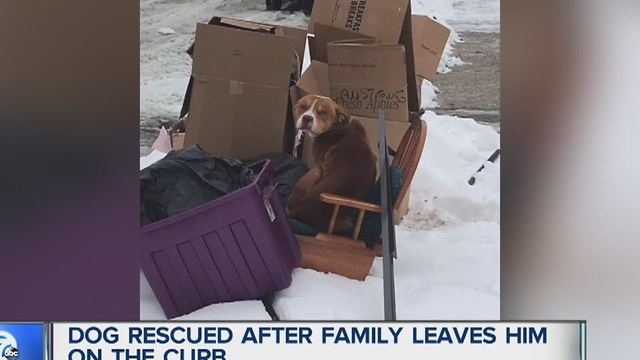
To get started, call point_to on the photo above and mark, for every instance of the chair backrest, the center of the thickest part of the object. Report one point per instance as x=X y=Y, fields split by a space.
x=408 y=155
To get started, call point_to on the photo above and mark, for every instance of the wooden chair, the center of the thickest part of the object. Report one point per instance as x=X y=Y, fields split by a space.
x=349 y=257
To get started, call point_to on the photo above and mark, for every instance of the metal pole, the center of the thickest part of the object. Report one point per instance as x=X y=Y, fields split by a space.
x=388 y=226
x=491 y=159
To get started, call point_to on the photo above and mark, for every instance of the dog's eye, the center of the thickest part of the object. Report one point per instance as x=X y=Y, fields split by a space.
x=303 y=107
x=322 y=112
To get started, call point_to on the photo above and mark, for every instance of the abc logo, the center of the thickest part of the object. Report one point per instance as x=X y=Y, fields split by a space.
x=8 y=346
x=11 y=353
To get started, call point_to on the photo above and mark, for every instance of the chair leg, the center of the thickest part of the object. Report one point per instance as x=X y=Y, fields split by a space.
x=356 y=231
x=332 y=223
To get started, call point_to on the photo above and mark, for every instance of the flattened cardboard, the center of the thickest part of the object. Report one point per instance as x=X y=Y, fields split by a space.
x=240 y=94
x=365 y=78
x=325 y=34
x=429 y=41
x=388 y=21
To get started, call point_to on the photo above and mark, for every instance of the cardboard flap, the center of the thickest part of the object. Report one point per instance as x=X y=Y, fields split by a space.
x=300 y=36
x=312 y=47
x=406 y=39
x=224 y=53
x=237 y=24
x=365 y=78
x=249 y=25
x=325 y=34
x=315 y=80
x=429 y=41
x=381 y=19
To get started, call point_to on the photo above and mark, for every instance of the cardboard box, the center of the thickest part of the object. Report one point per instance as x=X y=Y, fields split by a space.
x=429 y=41
x=325 y=34
x=365 y=78
x=389 y=22
x=240 y=96
x=300 y=35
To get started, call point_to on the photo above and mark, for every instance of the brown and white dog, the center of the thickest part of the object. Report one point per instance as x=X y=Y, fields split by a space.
x=345 y=165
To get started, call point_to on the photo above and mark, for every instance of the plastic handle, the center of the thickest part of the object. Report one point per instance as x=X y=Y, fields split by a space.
x=268 y=190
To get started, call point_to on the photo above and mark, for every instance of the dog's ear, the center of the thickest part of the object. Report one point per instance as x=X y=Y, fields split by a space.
x=342 y=115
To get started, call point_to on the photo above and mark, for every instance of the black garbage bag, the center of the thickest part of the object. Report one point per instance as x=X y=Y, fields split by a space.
x=288 y=169
x=290 y=5
x=185 y=179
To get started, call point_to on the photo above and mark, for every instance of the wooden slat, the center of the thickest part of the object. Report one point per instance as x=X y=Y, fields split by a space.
x=352 y=203
x=332 y=223
x=356 y=231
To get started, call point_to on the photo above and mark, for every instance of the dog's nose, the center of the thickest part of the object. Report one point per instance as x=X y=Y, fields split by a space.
x=306 y=120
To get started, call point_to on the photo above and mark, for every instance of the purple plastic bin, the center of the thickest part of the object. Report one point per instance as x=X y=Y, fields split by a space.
x=237 y=247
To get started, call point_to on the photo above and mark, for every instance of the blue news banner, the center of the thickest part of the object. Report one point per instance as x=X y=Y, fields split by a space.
x=312 y=340
x=222 y=341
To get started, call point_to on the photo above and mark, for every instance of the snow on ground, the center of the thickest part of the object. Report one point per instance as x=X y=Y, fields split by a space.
x=449 y=243
x=463 y=15
x=241 y=310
